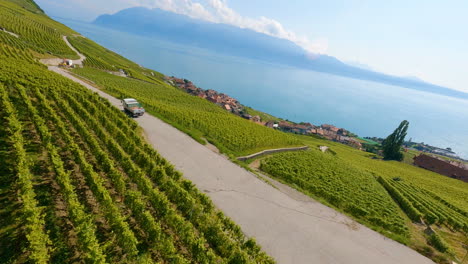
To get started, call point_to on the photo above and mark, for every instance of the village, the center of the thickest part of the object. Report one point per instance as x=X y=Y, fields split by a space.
x=232 y=105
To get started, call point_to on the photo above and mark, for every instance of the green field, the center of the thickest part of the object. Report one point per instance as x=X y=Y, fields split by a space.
x=368 y=141
x=82 y=187
x=390 y=197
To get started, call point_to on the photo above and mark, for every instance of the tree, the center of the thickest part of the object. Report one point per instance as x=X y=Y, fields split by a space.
x=392 y=144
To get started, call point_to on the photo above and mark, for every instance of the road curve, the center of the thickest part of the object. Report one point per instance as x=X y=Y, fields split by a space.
x=291 y=230
x=82 y=57
x=58 y=61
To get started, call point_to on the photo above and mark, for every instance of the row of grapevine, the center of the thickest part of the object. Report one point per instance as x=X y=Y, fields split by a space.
x=11 y=52
x=31 y=212
x=98 y=63
x=113 y=186
x=431 y=210
x=186 y=198
x=184 y=231
x=84 y=226
x=12 y=41
x=125 y=236
x=450 y=192
x=92 y=103
x=129 y=147
x=323 y=175
x=404 y=203
x=157 y=239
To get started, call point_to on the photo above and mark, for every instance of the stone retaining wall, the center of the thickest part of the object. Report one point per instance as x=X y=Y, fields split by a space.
x=270 y=151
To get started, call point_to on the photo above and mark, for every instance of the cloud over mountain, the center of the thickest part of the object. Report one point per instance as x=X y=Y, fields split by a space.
x=218 y=11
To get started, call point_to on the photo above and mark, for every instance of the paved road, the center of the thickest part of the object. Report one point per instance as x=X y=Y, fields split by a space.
x=289 y=226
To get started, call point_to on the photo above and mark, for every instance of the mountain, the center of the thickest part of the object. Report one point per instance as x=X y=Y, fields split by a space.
x=241 y=42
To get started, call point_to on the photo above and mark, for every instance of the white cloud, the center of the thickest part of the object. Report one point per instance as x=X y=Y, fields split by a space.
x=218 y=11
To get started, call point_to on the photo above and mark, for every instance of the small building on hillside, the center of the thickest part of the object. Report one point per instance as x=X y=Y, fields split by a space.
x=256 y=119
x=441 y=167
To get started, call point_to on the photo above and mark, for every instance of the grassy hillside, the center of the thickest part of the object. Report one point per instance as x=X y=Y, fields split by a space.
x=393 y=198
x=78 y=183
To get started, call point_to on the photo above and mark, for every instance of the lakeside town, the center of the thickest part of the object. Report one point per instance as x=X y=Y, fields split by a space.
x=442 y=161
x=232 y=105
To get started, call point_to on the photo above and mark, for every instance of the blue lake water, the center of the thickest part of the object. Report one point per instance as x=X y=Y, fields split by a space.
x=363 y=107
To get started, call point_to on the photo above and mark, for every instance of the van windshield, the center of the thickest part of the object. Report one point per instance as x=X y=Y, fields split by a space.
x=134 y=105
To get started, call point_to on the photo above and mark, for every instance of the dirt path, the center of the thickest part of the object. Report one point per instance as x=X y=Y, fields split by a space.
x=82 y=57
x=289 y=226
x=57 y=61
x=11 y=33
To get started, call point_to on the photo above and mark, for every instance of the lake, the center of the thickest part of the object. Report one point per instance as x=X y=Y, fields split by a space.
x=363 y=107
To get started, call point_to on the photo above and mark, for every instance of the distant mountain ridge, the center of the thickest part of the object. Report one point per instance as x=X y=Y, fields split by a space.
x=236 y=41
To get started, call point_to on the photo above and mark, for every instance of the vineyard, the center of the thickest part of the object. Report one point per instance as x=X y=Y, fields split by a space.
x=194 y=115
x=78 y=186
x=321 y=175
x=379 y=194
x=32 y=31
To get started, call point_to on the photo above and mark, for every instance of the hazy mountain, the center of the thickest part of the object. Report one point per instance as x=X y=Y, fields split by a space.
x=247 y=43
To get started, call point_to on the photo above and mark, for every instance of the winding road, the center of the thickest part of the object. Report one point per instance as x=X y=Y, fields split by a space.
x=291 y=227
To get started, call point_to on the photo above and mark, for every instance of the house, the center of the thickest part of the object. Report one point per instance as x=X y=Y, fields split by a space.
x=190 y=87
x=214 y=98
x=320 y=131
x=441 y=167
x=354 y=143
x=227 y=107
x=342 y=131
x=330 y=128
x=286 y=125
x=301 y=129
x=178 y=81
x=256 y=119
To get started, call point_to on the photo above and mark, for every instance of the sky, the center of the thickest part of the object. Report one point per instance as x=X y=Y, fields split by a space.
x=426 y=39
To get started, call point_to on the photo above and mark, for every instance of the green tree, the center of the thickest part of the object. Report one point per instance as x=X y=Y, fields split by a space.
x=392 y=144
